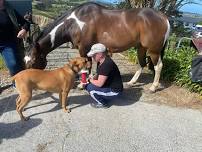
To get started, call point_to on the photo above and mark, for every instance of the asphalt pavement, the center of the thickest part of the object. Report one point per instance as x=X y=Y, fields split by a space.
x=131 y=124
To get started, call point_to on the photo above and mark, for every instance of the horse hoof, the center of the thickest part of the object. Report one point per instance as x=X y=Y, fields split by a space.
x=151 y=91
x=148 y=91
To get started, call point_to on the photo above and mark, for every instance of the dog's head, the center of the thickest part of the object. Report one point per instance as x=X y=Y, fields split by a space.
x=79 y=63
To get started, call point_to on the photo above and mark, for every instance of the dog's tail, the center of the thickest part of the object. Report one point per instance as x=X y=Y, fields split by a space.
x=13 y=78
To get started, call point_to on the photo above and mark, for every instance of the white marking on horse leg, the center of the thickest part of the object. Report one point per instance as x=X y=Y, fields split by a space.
x=79 y=22
x=157 y=69
x=136 y=76
x=27 y=59
x=167 y=32
x=53 y=32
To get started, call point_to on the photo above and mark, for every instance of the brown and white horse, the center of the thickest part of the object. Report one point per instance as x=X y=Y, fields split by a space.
x=119 y=30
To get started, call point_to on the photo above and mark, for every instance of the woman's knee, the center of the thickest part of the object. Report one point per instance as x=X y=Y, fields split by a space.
x=89 y=87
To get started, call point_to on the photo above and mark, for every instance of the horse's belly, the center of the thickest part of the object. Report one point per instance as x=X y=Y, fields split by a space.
x=117 y=40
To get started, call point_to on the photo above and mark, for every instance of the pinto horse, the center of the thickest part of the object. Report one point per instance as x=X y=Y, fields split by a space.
x=118 y=30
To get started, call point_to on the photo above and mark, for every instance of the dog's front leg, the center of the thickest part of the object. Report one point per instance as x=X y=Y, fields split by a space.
x=63 y=98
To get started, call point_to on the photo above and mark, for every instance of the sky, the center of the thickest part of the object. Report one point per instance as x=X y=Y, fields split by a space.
x=192 y=8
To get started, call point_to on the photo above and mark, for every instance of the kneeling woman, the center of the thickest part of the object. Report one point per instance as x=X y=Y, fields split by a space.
x=107 y=84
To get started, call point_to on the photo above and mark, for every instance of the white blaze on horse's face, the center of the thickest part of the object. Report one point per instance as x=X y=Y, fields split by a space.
x=27 y=59
x=52 y=34
x=79 y=22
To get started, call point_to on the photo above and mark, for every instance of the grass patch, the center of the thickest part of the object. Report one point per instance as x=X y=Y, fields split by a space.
x=176 y=67
x=2 y=64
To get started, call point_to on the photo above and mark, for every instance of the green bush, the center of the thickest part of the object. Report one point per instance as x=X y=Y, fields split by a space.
x=132 y=55
x=176 y=67
x=2 y=65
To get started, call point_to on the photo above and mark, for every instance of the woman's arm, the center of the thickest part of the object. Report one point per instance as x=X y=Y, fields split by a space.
x=25 y=25
x=100 y=81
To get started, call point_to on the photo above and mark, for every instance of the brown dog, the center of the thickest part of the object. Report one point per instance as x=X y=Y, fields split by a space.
x=59 y=81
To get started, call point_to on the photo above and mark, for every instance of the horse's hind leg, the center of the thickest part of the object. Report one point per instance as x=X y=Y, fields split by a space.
x=156 y=59
x=141 y=54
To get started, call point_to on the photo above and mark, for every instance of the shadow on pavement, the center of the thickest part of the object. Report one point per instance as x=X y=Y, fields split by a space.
x=79 y=100
x=4 y=88
x=128 y=97
x=145 y=78
x=9 y=103
x=17 y=129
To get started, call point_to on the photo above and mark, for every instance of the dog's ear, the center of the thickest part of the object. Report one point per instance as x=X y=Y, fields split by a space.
x=74 y=65
x=72 y=62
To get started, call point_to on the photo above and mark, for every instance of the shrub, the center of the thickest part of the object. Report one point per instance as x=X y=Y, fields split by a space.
x=2 y=65
x=176 y=67
x=177 y=64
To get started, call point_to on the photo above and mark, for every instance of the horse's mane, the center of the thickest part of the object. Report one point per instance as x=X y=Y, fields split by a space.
x=51 y=25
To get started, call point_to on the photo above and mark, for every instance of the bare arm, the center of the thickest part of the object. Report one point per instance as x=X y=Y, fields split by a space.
x=100 y=81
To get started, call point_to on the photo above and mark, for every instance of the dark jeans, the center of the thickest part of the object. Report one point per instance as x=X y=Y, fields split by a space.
x=101 y=95
x=12 y=58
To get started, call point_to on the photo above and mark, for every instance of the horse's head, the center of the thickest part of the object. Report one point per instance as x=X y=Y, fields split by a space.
x=35 y=58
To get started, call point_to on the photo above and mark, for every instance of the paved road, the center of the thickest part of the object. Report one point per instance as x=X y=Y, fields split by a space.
x=132 y=124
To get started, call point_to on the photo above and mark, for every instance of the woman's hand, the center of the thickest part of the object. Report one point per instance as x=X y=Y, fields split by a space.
x=22 y=33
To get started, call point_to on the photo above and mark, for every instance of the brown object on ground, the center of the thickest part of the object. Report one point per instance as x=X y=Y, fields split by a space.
x=60 y=81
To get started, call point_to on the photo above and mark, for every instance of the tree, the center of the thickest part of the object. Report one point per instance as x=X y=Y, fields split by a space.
x=168 y=7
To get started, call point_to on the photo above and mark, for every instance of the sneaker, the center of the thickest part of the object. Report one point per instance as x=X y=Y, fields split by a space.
x=96 y=105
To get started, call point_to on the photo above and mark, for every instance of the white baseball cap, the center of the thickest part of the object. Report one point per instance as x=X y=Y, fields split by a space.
x=96 y=48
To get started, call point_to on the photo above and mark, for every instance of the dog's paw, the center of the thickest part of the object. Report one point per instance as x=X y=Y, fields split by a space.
x=25 y=119
x=67 y=110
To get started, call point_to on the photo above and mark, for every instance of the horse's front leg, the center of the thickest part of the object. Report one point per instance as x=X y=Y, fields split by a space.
x=136 y=76
x=141 y=56
x=157 y=68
